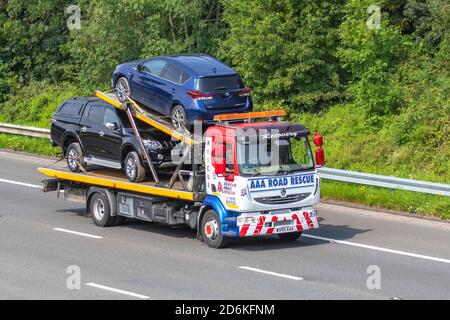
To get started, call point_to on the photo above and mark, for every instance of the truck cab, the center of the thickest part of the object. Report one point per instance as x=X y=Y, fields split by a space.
x=261 y=179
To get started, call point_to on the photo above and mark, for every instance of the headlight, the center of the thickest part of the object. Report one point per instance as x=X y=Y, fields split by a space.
x=152 y=144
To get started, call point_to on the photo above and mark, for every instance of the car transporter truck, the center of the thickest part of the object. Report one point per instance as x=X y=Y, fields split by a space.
x=226 y=190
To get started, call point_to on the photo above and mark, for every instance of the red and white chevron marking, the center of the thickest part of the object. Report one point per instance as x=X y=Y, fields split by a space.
x=265 y=224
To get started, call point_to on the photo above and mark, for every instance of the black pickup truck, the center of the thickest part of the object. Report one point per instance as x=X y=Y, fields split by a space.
x=91 y=131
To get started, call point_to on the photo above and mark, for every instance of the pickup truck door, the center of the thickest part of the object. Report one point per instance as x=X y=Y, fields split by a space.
x=111 y=140
x=91 y=126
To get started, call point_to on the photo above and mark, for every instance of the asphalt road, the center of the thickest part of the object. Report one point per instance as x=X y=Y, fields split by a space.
x=145 y=261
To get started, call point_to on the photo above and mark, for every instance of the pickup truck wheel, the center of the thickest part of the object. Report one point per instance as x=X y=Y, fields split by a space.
x=134 y=170
x=122 y=89
x=75 y=157
x=211 y=230
x=292 y=236
x=101 y=210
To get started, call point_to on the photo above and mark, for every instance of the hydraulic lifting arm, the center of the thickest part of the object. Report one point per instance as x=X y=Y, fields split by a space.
x=134 y=110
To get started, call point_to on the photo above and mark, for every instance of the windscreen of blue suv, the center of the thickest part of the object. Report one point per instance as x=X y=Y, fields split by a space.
x=184 y=87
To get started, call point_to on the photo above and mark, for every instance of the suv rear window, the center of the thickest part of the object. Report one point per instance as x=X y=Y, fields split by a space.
x=70 y=109
x=211 y=84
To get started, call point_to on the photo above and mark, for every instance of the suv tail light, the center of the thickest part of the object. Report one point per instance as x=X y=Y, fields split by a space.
x=198 y=95
x=245 y=92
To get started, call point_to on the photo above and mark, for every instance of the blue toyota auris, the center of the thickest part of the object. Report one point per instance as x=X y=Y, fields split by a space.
x=184 y=87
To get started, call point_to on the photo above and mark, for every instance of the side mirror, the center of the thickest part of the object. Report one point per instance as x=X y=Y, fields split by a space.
x=111 y=126
x=320 y=154
x=320 y=157
x=318 y=140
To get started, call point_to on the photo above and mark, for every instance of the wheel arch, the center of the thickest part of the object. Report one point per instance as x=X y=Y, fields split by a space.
x=126 y=149
x=71 y=137
x=210 y=203
x=112 y=199
x=177 y=103
x=116 y=77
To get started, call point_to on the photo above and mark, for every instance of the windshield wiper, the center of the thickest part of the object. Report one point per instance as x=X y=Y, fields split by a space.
x=302 y=169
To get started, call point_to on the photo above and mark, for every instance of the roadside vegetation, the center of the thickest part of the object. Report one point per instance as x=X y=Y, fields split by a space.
x=377 y=87
x=419 y=204
x=37 y=146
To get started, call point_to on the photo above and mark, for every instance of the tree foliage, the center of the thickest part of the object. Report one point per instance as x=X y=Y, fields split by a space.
x=385 y=88
x=286 y=50
x=114 y=32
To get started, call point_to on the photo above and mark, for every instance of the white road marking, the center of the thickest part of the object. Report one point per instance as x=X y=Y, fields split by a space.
x=20 y=183
x=78 y=233
x=271 y=273
x=366 y=246
x=99 y=286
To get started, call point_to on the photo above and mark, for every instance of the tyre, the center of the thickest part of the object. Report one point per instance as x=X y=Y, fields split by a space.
x=100 y=210
x=134 y=170
x=75 y=157
x=119 y=221
x=122 y=89
x=212 y=231
x=178 y=116
x=292 y=236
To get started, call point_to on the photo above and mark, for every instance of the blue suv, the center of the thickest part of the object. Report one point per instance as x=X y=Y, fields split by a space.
x=184 y=87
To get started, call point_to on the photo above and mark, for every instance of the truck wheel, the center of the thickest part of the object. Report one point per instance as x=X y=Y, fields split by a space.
x=101 y=210
x=292 y=236
x=122 y=89
x=75 y=157
x=134 y=170
x=211 y=230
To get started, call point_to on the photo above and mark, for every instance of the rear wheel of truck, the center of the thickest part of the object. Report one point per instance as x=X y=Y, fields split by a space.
x=75 y=157
x=100 y=210
x=134 y=170
x=211 y=230
x=122 y=89
x=292 y=236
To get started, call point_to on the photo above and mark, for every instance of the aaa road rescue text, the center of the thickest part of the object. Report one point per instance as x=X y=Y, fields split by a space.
x=282 y=182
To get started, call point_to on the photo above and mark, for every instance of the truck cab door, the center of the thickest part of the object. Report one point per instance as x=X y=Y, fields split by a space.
x=220 y=166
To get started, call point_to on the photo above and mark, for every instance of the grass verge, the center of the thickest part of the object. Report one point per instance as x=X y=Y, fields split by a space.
x=408 y=201
x=37 y=146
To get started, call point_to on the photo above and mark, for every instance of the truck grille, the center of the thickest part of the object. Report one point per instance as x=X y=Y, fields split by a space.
x=280 y=200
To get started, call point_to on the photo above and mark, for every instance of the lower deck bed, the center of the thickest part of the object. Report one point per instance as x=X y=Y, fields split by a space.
x=116 y=179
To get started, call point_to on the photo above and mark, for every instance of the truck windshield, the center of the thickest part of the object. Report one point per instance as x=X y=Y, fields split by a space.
x=274 y=157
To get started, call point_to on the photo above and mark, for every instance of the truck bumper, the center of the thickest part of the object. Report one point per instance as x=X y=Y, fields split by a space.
x=260 y=225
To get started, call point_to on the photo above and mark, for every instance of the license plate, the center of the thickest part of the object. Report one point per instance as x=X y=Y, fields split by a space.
x=285 y=229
